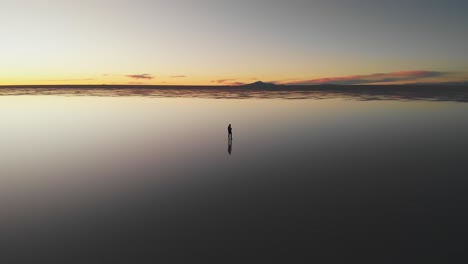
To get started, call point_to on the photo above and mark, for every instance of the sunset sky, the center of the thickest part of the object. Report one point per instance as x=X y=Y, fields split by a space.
x=218 y=42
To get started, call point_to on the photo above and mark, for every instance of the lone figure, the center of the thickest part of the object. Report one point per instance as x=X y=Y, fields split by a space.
x=229 y=132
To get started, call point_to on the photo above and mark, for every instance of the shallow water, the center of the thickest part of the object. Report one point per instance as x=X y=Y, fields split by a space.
x=110 y=177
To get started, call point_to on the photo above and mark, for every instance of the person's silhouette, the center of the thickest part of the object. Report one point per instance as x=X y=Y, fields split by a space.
x=229 y=132
x=230 y=146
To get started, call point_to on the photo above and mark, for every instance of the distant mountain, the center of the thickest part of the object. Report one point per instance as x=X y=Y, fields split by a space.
x=260 y=84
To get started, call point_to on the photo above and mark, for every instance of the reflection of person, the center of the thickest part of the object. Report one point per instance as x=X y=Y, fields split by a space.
x=230 y=146
x=229 y=132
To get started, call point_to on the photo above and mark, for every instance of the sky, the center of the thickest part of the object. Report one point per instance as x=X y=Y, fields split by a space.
x=218 y=42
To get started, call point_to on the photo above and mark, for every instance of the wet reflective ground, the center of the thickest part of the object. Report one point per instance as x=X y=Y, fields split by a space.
x=146 y=176
x=363 y=93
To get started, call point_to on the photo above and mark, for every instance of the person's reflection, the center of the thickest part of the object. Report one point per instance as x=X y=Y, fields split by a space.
x=230 y=146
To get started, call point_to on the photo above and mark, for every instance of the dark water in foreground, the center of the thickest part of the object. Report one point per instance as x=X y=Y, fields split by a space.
x=127 y=177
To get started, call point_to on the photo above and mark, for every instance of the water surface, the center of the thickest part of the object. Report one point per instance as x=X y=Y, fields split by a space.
x=138 y=176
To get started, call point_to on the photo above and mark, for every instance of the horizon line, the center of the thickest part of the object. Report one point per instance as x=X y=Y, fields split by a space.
x=262 y=84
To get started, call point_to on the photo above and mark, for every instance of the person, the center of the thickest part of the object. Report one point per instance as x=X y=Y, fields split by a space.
x=230 y=132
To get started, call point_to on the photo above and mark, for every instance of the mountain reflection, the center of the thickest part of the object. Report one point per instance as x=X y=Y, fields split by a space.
x=361 y=93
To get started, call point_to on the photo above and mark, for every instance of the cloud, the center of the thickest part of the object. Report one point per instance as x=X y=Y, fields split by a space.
x=230 y=82
x=376 y=78
x=144 y=76
x=237 y=83
x=178 y=76
x=223 y=81
x=69 y=80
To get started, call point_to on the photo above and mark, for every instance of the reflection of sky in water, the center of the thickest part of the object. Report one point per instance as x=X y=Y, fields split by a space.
x=361 y=93
x=155 y=174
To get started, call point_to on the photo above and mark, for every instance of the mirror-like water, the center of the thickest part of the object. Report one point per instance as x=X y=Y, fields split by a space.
x=107 y=177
